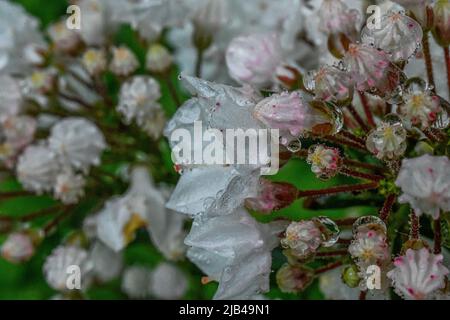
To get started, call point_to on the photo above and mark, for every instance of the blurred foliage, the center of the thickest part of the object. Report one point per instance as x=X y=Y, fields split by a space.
x=26 y=281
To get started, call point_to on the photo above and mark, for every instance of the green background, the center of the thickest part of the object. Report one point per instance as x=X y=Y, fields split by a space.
x=26 y=281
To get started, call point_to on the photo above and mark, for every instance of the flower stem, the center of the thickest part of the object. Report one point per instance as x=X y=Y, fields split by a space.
x=367 y=110
x=332 y=253
x=328 y=267
x=362 y=295
x=339 y=189
x=437 y=236
x=414 y=226
x=357 y=117
x=363 y=165
x=345 y=221
x=447 y=63
x=14 y=194
x=387 y=207
x=346 y=142
x=427 y=57
x=199 y=63
x=361 y=175
x=351 y=136
x=58 y=219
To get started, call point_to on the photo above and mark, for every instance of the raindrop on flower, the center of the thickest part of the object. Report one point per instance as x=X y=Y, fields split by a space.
x=369 y=222
x=294 y=146
x=330 y=231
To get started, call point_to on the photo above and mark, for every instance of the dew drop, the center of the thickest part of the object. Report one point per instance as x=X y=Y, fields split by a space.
x=369 y=222
x=294 y=146
x=330 y=231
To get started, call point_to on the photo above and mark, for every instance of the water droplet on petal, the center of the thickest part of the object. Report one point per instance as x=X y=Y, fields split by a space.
x=369 y=222
x=330 y=231
x=294 y=146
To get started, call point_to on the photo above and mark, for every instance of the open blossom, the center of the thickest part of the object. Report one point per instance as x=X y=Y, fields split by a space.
x=213 y=190
x=420 y=107
x=371 y=69
x=106 y=264
x=329 y=83
x=139 y=102
x=37 y=168
x=64 y=39
x=135 y=282
x=369 y=247
x=41 y=81
x=294 y=279
x=425 y=185
x=272 y=196
x=69 y=187
x=303 y=237
x=399 y=35
x=94 y=61
x=236 y=251
x=78 y=142
x=168 y=282
x=18 y=247
x=387 y=140
x=253 y=59
x=10 y=96
x=325 y=161
x=58 y=262
x=19 y=37
x=158 y=58
x=17 y=132
x=418 y=274
x=336 y=17
x=124 y=62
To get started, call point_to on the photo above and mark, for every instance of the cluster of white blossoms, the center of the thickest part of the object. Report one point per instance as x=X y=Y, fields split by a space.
x=93 y=117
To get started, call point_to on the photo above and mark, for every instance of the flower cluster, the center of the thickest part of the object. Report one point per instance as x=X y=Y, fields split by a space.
x=351 y=118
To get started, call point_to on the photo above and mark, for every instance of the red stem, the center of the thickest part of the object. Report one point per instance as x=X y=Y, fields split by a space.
x=332 y=253
x=367 y=110
x=414 y=229
x=357 y=117
x=428 y=61
x=328 y=267
x=14 y=194
x=338 y=189
x=346 y=142
x=387 y=207
x=447 y=63
x=361 y=175
x=437 y=236
x=363 y=165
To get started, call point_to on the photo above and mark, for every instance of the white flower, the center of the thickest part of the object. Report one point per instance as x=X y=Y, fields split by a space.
x=117 y=223
x=425 y=184
x=64 y=39
x=18 y=247
x=135 y=282
x=165 y=226
x=399 y=35
x=303 y=237
x=421 y=108
x=94 y=61
x=94 y=23
x=57 y=264
x=168 y=282
x=69 y=187
x=325 y=161
x=10 y=96
x=139 y=102
x=213 y=190
x=418 y=274
x=37 y=168
x=18 y=35
x=124 y=62
x=369 y=247
x=336 y=18
x=236 y=251
x=78 y=141
x=253 y=59
x=387 y=140
x=158 y=58
x=107 y=264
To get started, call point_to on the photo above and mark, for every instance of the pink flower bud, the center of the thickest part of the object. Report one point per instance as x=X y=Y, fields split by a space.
x=17 y=248
x=441 y=30
x=272 y=196
x=254 y=59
